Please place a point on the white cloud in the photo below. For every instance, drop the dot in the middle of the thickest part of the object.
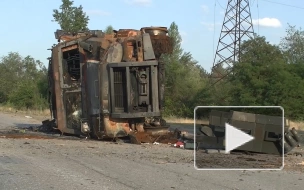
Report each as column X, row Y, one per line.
column 267, row 22
column 205, row 9
column 139, row 2
column 184, row 36
column 210, row 26
column 97, row 13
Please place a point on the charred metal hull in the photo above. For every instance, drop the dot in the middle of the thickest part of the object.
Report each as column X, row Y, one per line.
column 108, row 85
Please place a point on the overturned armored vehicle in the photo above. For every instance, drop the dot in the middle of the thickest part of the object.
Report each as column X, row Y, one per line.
column 108, row 85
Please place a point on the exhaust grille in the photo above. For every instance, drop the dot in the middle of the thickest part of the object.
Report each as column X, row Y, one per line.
column 120, row 97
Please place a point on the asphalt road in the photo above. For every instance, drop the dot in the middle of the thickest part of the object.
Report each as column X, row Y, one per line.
column 88, row 164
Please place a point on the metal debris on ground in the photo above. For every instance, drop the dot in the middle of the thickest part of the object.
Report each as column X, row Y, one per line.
column 149, row 137
column 179, row 144
column 47, row 126
column 31, row 132
column 212, row 151
column 302, row 163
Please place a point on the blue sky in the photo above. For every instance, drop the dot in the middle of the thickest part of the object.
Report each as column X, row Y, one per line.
column 27, row 27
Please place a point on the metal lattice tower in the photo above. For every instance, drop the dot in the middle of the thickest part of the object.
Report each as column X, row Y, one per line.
column 237, row 26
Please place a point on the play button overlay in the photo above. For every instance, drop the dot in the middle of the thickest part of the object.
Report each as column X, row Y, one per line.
column 235, row 138
column 238, row 138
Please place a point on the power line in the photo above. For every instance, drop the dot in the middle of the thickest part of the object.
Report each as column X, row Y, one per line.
column 284, row 4
column 220, row 5
column 214, row 25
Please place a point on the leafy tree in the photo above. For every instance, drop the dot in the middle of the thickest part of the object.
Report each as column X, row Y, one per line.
column 23, row 81
column 293, row 45
column 11, row 69
column 263, row 78
column 24, row 95
column 251, row 76
column 176, row 40
column 183, row 77
column 109, row 29
column 71, row 18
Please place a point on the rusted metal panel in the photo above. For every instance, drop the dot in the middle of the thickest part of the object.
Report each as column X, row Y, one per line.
column 115, row 127
column 154, row 86
column 218, row 118
column 127, row 33
column 104, row 43
column 69, row 48
column 161, row 85
column 139, row 48
column 104, row 89
column 148, row 48
column 242, row 116
column 92, row 86
column 109, row 36
column 124, row 108
column 133, row 64
column 60, row 120
column 72, row 104
column 129, row 47
column 115, row 53
column 161, row 44
column 155, row 30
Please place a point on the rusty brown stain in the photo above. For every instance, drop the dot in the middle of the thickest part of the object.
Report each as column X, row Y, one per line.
column 122, row 33
column 132, row 33
column 129, row 45
column 140, row 53
column 23, row 136
column 109, row 36
column 148, row 137
column 59, row 103
column 68, row 48
column 155, row 30
column 105, row 43
column 161, row 44
column 129, row 50
column 140, row 127
column 115, row 126
column 259, row 132
column 56, row 75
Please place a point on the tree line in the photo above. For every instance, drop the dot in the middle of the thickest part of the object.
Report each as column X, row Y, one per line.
column 267, row 75
column 23, row 82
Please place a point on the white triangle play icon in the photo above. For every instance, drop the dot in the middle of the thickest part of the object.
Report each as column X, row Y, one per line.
column 235, row 138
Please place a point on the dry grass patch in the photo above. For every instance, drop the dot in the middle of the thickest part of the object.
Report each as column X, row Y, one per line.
column 173, row 119
column 298, row 125
column 29, row 112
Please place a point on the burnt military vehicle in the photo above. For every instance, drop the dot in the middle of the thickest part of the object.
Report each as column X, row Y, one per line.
column 108, row 85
